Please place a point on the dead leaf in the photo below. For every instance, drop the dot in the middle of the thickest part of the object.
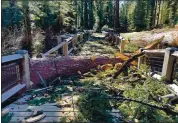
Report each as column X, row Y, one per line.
column 107, row 67
column 93, row 58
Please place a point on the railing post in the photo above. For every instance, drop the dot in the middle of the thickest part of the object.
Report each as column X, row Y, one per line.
column 78, row 38
column 168, row 64
column 65, row 49
column 117, row 40
column 140, row 59
column 59, row 39
column 26, row 70
column 81, row 37
column 122, row 44
column 74, row 40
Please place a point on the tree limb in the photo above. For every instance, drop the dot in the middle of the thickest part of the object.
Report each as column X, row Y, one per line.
column 163, row 108
column 126, row 63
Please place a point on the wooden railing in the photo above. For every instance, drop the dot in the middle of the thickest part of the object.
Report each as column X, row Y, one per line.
column 117, row 40
column 121, row 42
column 64, row 41
column 15, row 73
column 161, row 61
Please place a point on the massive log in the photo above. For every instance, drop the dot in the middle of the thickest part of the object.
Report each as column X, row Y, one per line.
column 65, row 66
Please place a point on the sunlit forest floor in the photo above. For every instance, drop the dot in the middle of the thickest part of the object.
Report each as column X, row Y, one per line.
column 97, row 48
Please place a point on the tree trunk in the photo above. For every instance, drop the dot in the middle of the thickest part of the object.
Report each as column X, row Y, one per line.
column 152, row 13
column 161, row 18
column 76, row 16
column 81, row 17
column 116, row 19
column 91, row 15
column 85, row 15
column 174, row 10
column 154, row 20
column 27, row 24
column 12, row 3
column 158, row 14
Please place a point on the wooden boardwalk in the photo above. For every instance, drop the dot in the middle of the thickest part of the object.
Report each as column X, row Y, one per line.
column 20, row 110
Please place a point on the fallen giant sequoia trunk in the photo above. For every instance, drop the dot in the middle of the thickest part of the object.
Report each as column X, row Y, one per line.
column 65, row 66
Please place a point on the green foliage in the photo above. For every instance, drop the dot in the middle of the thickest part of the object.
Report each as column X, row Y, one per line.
column 140, row 15
column 131, row 47
column 45, row 16
column 38, row 43
column 7, row 118
column 148, row 92
column 94, row 107
column 11, row 16
column 37, row 102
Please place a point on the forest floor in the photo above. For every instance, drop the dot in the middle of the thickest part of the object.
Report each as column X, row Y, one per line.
column 97, row 48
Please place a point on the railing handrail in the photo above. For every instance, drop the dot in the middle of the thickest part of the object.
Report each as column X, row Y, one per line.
column 54, row 48
column 169, row 54
column 161, row 51
column 11, row 58
column 66, row 41
column 175, row 54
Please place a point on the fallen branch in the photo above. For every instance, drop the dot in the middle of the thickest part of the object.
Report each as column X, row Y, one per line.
column 163, row 108
column 126, row 63
column 42, row 80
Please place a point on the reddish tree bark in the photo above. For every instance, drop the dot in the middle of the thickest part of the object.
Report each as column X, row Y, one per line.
column 116, row 17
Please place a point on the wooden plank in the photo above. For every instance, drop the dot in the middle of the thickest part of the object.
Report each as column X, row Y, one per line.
column 59, row 39
column 168, row 64
column 54, row 48
column 68, row 39
column 26, row 75
column 122, row 45
column 140, row 60
column 23, row 99
column 44, row 120
column 70, row 51
column 6, row 95
column 11, row 58
column 65, row 49
column 175, row 54
column 161, row 51
column 24, row 108
column 48, row 114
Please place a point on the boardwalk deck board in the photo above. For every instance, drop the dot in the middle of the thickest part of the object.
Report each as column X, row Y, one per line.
column 52, row 112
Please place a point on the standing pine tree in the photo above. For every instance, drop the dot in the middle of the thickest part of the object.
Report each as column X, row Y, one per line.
column 152, row 12
column 86, row 14
column 81, row 16
column 116, row 16
column 91, row 16
column 174, row 12
column 27, row 25
column 140, row 15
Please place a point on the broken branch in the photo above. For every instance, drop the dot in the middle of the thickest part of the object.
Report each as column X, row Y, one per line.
column 163, row 108
column 126, row 63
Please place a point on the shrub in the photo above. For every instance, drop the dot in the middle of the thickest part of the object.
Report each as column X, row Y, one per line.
column 94, row 107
